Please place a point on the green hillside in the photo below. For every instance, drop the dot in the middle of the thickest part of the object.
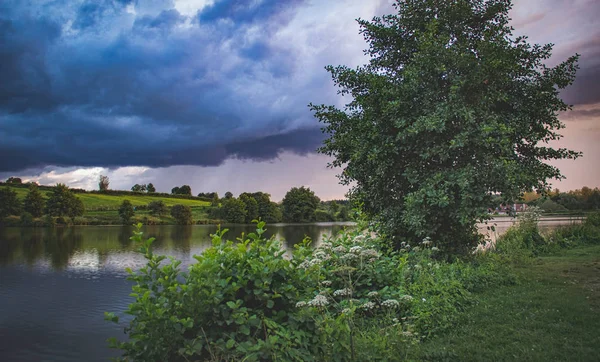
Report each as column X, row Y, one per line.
column 100, row 201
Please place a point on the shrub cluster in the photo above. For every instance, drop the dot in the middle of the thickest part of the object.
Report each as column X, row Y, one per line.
column 349, row 298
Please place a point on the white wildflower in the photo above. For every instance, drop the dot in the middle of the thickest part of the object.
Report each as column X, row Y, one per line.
column 416, row 248
column 435, row 248
column 426, row 241
column 372, row 294
column 342, row 292
column 325, row 245
column 340, row 249
column 390, row 303
column 346, row 311
column 424, row 299
column 356, row 249
column 349, row 257
column 326, row 283
column 320, row 254
column 368, row 306
column 318, row 301
column 367, row 253
column 300, row 304
column 406, row 298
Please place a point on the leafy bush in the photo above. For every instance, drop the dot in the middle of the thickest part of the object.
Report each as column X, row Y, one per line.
column 157, row 208
column 126, row 211
column 182, row 214
column 234, row 303
column 350, row 298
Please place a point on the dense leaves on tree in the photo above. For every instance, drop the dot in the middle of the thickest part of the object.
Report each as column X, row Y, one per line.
column 62, row 202
column 182, row 214
column 157, row 208
column 233, row 211
column 9, row 203
column 251, row 207
column 138, row 188
column 34, row 201
column 208, row 195
column 183, row 190
column 228, row 195
column 103, row 183
column 299, row 205
column 126, row 211
column 14, row 180
column 450, row 109
column 150, row 188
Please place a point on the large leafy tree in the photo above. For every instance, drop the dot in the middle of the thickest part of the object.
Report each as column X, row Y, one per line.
column 450, row 110
column 63, row 202
column 9, row 203
column 182, row 214
column 233, row 211
column 299, row 205
column 34, row 201
column 251, row 207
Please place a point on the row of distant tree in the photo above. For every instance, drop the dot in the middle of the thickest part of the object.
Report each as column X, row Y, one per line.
column 584, row 199
column 61, row 202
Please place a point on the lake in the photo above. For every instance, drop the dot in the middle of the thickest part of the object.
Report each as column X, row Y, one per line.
column 56, row 284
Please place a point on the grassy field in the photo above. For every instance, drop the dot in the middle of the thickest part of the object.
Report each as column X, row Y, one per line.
column 96, row 201
column 552, row 314
column 103, row 209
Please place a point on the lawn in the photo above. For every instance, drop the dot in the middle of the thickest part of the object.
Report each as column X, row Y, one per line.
column 552, row 314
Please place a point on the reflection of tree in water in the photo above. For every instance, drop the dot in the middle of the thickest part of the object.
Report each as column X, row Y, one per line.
column 32, row 244
column 10, row 244
column 181, row 235
column 61, row 244
column 125, row 233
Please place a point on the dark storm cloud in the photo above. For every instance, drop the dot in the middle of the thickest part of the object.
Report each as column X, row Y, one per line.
column 117, row 83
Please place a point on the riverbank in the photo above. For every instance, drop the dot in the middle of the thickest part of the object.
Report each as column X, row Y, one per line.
column 551, row 314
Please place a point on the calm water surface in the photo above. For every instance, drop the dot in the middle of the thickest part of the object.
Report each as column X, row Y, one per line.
column 56, row 284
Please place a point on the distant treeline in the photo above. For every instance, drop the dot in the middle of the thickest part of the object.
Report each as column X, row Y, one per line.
column 584, row 199
column 300, row 205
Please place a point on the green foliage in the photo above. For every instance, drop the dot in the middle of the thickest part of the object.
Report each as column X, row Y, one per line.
column 183, row 190
column 233, row 211
column 27, row 219
column 228, row 195
column 551, row 206
column 62, row 202
column 14, row 180
column 299, row 205
column 34, row 201
column 350, row 298
column 103, row 183
column 126, row 211
column 150, row 188
column 251, row 207
column 182, row 214
column 323, row 216
column 138, row 188
column 157, row 208
column 233, row 304
column 450, row 109
column 9, row 203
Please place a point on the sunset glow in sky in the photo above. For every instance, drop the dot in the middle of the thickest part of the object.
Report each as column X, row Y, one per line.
column 214, row 93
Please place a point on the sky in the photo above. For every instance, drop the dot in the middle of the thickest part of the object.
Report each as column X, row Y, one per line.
column 214, row 93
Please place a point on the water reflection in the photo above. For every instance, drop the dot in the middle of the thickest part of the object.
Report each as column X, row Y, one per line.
column 111, row 247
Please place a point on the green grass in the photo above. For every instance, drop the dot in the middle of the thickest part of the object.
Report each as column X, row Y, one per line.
column 96, row 201
column 552, row 314
column 103, row 209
